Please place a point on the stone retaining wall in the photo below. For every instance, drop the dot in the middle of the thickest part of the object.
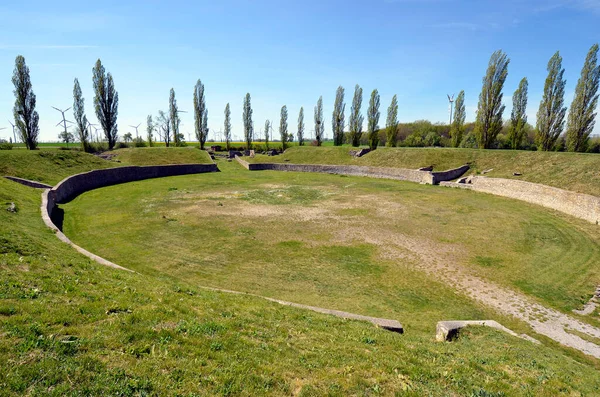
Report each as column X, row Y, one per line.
column 74, row 185
column 583, row 206
column 402, row 174
column 27, row 182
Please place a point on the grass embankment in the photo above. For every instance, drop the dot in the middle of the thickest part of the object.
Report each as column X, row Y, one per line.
column 159, row 156
column 51, row 166
column 579, row 172
column 70, row 326
column 48, row 166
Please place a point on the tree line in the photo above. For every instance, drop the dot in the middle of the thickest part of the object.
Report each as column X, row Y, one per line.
column 488, row 131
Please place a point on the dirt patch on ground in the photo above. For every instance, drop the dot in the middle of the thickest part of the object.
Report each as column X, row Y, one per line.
column 441, row 261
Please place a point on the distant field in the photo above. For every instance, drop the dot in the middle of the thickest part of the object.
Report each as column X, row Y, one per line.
column 578, row 172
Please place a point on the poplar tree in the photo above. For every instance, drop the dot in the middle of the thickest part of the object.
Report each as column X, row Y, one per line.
column 551, row 114
column 356, row 118
column 150, row 130
column 200, row 113
column 373, row 119
column 247, row 118
column 283, row 126
column 488, row 123
column 458, row 124
column 319, row 126
column 26, row 117
column 79, row 115
column 301, row 127
column 106, row 103
column 337, row 119
column 267, row 129
column 518, row 116
column 391, row 124
column 582, row 113
column 174, row 117
column 227, row 127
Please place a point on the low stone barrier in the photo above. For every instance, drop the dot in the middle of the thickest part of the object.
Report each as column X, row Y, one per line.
column 579, row 205
column 402, row 174
column 27, row 182
column 448, row 330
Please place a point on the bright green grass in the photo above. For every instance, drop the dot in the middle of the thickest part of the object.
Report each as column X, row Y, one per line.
column 72, row 327
column 48, row 166
column 579, row 172
column 193, row 228
column 158, row 156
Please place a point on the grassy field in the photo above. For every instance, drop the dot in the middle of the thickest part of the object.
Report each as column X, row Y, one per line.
column 72, row 327
column 579, row 172
column 158, row 155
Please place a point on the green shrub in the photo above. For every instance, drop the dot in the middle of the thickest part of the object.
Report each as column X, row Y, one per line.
column 5, row 145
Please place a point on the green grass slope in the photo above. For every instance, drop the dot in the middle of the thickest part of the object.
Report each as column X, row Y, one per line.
column 71, row 327
column 48, row 166
column 579, row 172
column 161, row 155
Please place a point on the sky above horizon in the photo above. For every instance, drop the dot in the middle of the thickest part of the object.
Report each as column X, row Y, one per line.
column 286, row 53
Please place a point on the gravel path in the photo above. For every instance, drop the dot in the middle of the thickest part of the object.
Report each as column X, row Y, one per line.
column 439, row 262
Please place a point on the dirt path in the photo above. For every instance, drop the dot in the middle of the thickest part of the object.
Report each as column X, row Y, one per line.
column 438, row 261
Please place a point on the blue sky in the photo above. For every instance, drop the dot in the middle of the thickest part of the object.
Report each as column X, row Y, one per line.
column 286, row 52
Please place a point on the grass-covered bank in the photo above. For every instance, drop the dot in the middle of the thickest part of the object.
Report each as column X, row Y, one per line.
column 51, row 166
column 160, row 156
column 48, row 166
column 578, row 172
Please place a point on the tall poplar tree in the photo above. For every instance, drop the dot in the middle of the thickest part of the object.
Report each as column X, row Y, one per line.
column 458, row 124
column 373, row 115
column 26, row 117
column 488, row 123
column 174, row 117
column 337, row 118
column 81, row 122
column 247, row 118
column 518, row 116
column 150, row 130
column 106, row 103
column 356, row 117
column 319, row 125
column 283, row 126
column 582, row 114
column 267, row 129
column 227, row 127
column 391, row 124
column 551, row 114
column 301, row 127
column 200, row 112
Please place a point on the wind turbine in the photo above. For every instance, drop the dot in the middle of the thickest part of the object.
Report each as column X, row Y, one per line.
column 13, row 128
column 451, row 100
column 64, row 121
column 136, row 129
column 3, row 128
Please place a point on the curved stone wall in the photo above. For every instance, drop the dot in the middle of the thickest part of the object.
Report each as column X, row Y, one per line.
column 74, row 185
column 402, row 174
column 583, row 206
